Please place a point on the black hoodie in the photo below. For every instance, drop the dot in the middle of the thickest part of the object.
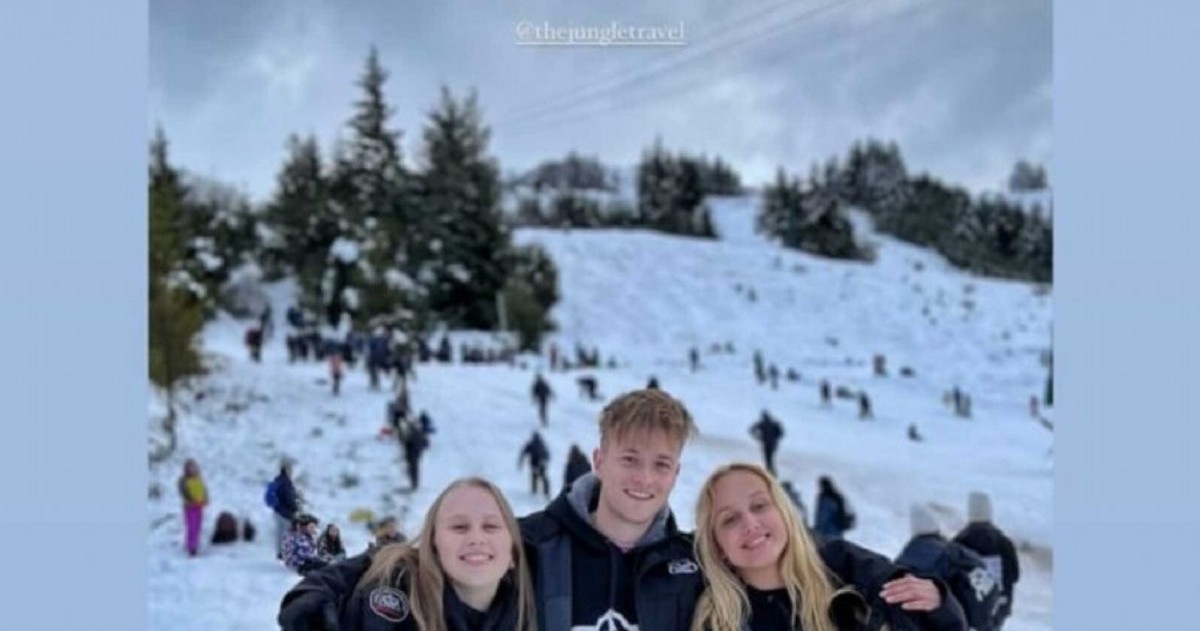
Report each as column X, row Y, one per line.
column 584, row 581
column 998, row 551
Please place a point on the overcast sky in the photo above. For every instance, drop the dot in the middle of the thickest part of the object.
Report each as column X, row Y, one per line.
column 964, row 86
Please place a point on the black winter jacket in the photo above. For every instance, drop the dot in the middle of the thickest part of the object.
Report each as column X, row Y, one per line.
column 963, row 570
column 582, row 579
column 382, row 608
column 537, row 453
column 768, row 431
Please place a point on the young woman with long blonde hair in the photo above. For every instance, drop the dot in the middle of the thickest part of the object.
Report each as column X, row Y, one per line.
column 465, row 571
column 765, row 573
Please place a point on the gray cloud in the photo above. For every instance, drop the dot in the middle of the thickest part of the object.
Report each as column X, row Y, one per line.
column 964, row 88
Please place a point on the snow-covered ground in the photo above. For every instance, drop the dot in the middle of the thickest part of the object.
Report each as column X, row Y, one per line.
column 645, row 299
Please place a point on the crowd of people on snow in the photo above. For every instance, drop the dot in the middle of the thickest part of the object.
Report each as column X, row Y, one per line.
column 385, row 351
column 606, row 550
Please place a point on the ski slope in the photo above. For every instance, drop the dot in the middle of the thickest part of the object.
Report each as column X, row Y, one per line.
column 645, row 299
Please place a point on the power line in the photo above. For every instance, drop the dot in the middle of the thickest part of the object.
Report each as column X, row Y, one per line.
column 743, row 31
column 622, row 74
column 573, row 111
column 585, row 110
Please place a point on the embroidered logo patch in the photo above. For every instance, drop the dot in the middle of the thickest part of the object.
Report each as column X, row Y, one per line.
column 683, row 566
column 389, row 603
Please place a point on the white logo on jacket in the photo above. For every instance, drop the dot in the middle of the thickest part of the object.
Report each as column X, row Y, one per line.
column 982, row 582
column 612, row 620
column 683, row 566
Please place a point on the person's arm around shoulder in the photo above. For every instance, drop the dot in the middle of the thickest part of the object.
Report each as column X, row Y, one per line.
column 316, row 598
column 853, row 564
column 917, row 596
column 927, row 600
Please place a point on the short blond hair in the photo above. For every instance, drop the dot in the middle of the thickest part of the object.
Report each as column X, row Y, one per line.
column 646, row 411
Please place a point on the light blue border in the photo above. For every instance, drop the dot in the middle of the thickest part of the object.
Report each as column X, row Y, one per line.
column 1127, row 306
column 73, row 288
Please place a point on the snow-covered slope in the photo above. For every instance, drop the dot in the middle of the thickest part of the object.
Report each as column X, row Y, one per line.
column 645, row 299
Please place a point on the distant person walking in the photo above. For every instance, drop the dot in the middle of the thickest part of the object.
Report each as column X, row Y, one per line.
column 538, row 454
column 542, row 394
column 336, row 369
column 768, row 431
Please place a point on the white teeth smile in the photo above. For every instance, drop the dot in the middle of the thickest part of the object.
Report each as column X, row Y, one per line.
column 639, row 496
column 756, row 542
column 476, row 558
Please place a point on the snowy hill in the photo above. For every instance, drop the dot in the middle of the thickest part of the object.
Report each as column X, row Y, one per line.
column 645, row 299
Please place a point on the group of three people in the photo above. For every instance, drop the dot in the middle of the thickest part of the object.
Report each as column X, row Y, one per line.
column 606, row 554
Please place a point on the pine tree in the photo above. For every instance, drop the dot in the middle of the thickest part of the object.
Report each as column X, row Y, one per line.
column 875, row 177
column 196, row 265
column 328, row 290
column 689, row 193
column 927, row 216
column 229, row 238
column 460, row 193
column 823, row 227
column 1035, row 248
column 528, row 295
column 721, row 179
column 966, row 243
column 571, row 209
column 301, row 217
column 833, row 179
column 176, row 313
column 656, row 188
column 808, row 216
column 854, row 175
column 780, row 214
column 371, row 264
column 1007, row 225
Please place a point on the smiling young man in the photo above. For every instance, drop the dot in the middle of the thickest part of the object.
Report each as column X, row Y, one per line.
column 606, row 552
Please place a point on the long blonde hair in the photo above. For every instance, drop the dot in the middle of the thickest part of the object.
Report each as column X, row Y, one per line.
column 724, row 606
column 416, row 563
